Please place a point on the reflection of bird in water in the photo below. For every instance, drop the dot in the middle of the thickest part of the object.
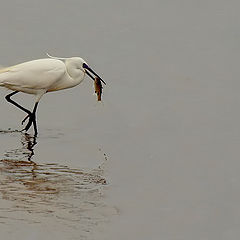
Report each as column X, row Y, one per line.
column 26, row 151
column 30, row 142
column 36, row 192
column 49, row 178
column 16, row 159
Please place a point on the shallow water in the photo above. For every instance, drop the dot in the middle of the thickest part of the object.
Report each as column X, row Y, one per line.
column 40, row 197
column 159, row 157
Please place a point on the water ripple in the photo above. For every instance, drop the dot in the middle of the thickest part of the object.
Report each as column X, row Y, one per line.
column 35, row 193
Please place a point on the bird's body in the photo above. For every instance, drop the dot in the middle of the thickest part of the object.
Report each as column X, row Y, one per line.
column 40, row 76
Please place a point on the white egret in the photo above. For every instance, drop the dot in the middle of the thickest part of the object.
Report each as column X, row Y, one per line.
column 40, row 76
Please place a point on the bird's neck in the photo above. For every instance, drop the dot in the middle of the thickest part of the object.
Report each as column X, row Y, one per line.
column 76, row 75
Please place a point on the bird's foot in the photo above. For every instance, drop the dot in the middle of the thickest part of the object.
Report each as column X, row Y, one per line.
column 23, row 121
column 32, row 120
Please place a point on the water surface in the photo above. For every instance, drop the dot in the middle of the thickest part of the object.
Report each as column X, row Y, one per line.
column 168, row 123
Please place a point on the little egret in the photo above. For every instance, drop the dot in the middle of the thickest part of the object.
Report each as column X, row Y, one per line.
column 40, row 76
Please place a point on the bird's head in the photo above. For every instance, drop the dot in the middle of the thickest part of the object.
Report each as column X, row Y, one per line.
column 76, row 64
column 88, row 71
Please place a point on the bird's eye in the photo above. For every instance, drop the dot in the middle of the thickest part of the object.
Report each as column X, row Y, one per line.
column 85, row 65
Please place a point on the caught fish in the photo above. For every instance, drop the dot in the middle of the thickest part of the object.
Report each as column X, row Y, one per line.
column 98, row 88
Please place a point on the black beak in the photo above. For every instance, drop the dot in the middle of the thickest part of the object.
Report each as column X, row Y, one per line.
column 88, row 69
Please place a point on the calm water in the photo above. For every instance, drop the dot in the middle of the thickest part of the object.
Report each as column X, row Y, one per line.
column 159, row 157
column 49, row 199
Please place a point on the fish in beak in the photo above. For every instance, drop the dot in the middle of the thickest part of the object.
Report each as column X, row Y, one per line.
column 88, row 70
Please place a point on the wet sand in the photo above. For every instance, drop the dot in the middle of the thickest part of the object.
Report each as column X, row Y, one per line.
column 158, row 158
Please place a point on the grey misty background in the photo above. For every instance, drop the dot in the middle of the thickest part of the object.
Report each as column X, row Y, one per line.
column 170, row 118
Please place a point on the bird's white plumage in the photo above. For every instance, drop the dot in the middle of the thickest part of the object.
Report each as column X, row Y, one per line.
column 43, row 75
column 33, row 75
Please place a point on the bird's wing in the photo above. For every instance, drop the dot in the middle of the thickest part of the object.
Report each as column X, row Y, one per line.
column 36, row 74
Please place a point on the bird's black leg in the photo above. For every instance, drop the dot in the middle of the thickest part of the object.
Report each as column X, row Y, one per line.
column 23, row 121
column 31, row 115
column 8, row 98
column 32, row 120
